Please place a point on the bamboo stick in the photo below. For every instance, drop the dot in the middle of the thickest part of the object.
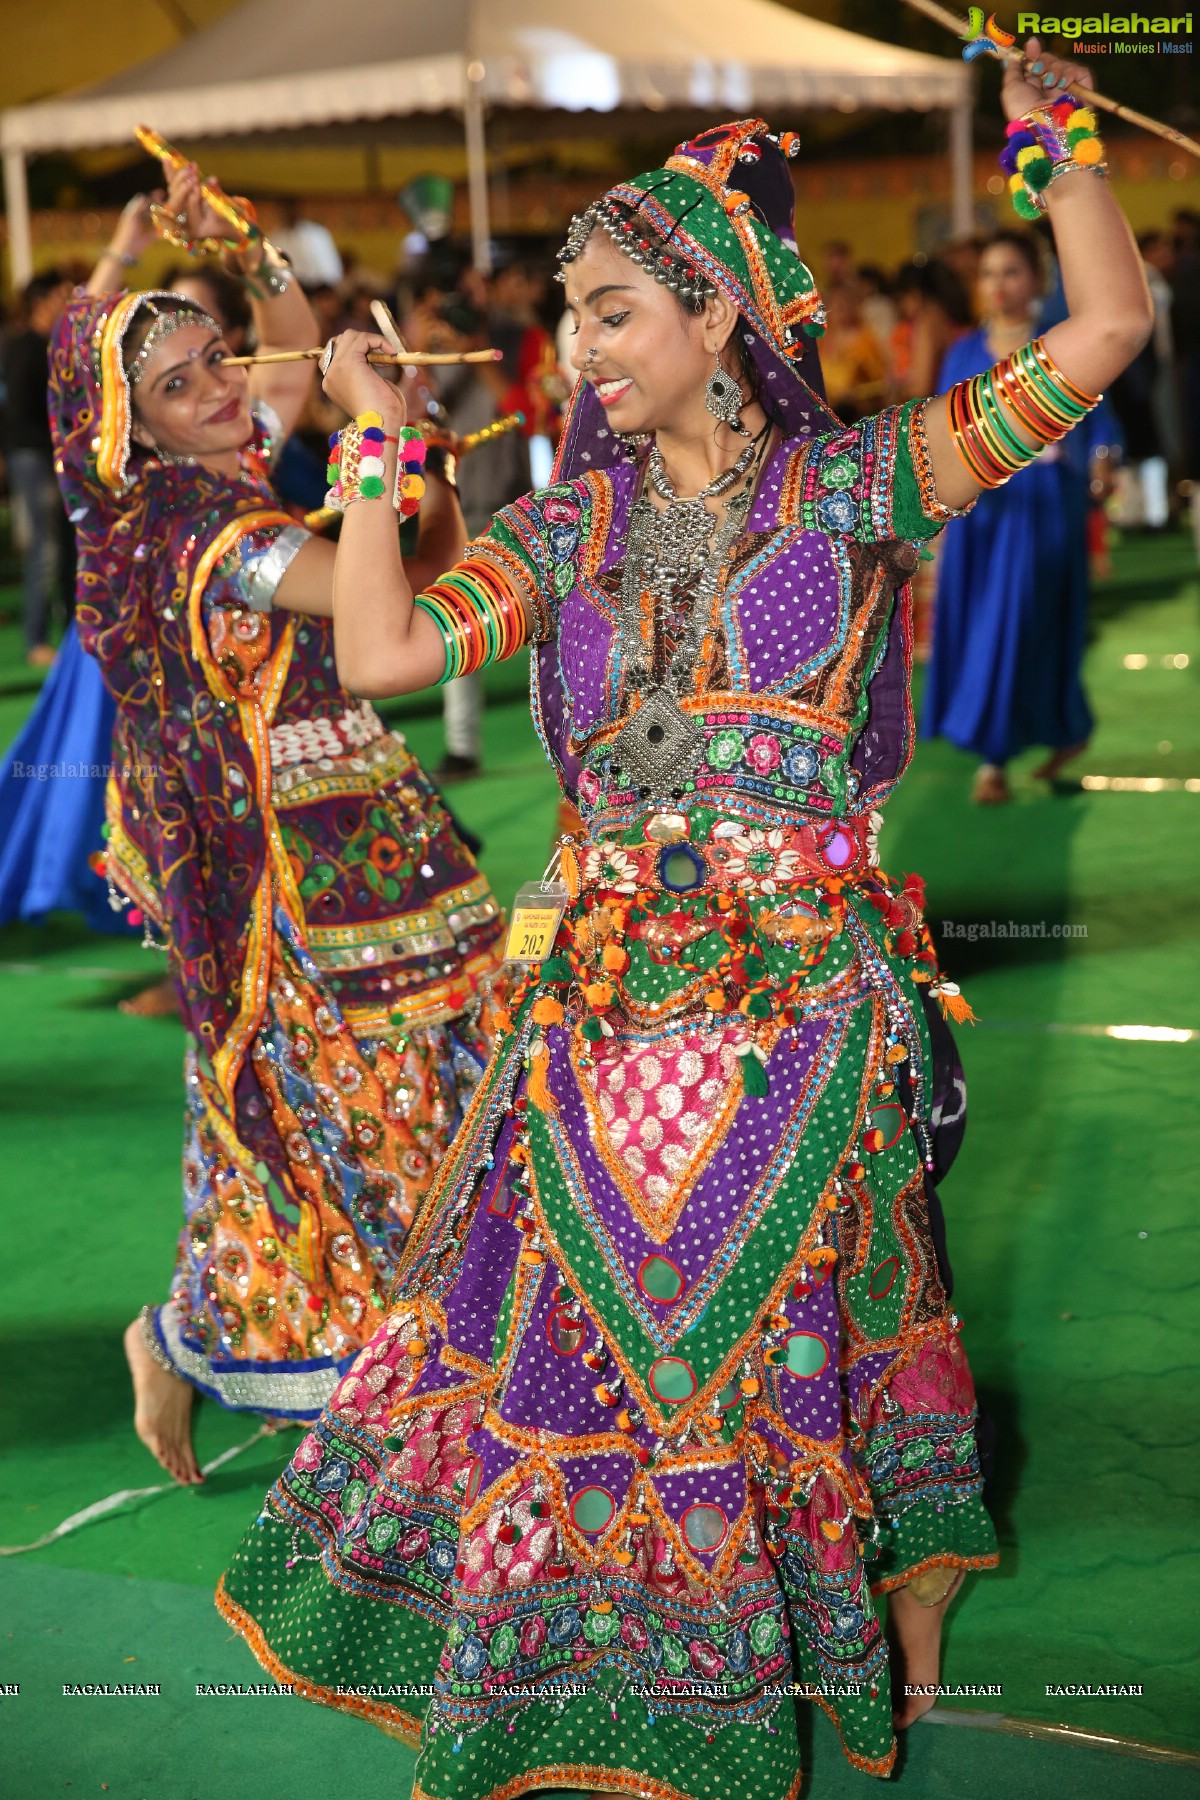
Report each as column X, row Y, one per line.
column 1086, row 96
column 419, row 359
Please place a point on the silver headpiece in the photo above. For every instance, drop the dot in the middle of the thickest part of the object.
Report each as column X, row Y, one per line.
column 165, row 322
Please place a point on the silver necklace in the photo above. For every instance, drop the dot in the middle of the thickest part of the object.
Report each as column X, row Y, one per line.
column 668, row 553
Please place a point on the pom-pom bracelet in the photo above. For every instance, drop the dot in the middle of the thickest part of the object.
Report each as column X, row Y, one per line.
column 356, row 469
column 1048, row 142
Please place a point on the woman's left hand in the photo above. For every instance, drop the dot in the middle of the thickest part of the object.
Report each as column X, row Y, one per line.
column 1038, row 81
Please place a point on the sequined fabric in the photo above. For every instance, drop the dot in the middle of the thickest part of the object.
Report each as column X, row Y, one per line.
column 669, row 1381
column 334, row 948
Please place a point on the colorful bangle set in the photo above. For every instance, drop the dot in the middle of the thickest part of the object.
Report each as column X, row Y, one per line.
column 356, row 469
column 1026, row 389
column 1048, row 142
column 479, row 616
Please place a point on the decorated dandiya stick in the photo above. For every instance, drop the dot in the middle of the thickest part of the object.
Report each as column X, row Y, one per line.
column 1086, row 96
column 475, row 440
column 157, row 146
column 422, row 359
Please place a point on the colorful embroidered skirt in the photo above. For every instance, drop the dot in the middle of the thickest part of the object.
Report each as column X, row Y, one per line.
column 668, row 1383
column 295, row 1216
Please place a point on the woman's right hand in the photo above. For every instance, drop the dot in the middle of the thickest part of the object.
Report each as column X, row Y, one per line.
column 354, row 384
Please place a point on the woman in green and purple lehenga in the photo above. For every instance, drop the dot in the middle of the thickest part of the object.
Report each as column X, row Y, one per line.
column 670, row 1386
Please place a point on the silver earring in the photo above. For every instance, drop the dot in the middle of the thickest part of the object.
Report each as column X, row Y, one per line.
column 723, row 398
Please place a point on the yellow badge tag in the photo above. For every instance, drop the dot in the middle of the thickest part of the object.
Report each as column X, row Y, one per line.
column 536, row 915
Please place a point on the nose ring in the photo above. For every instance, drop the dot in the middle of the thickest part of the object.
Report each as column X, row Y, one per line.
column 591, row 355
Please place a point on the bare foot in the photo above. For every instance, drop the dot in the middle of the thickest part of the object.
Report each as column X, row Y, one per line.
column 162, row 1410
column 159, row 1001
column 915, row 1632
column 1057, row 761
column 990, row 787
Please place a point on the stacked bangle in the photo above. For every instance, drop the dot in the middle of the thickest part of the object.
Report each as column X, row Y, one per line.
column 1027, row 389
column 479, row 616
column 1048, row 142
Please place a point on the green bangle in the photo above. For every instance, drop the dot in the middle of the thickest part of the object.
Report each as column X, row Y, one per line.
column 448, row 639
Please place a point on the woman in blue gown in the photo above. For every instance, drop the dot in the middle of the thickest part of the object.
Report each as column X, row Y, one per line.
column 1010, row 625
column 52, row 798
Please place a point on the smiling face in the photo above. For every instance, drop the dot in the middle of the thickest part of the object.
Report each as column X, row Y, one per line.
column 187, row 402
column 651, row 358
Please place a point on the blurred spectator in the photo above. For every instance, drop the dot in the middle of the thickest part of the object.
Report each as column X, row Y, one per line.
column 1142, row 499
column 838, row 259
column 530, row 356
column 42, row 529
column 961, row 256
column 852, row 357
column 218, row 293
column 309, row 247
column 878, row 307
column 471, row 397
column 1185, row 322
column 1159, row 256
column 326, row 302
column 935, row 312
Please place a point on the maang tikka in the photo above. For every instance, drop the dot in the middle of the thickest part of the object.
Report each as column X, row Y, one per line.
column 723, row 398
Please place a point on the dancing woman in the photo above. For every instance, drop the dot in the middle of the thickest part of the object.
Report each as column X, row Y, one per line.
column 332, row 943
column 669, row 1386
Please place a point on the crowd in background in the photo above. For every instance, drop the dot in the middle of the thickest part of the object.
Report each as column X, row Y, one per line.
column 888, row 336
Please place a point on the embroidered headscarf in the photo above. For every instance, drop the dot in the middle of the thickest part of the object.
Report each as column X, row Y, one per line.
column 186, row 786
column 718, row 216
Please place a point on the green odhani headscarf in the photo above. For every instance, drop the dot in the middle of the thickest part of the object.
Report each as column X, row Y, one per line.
column 717, row 217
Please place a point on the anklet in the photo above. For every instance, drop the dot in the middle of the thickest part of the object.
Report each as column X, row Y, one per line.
column 150, row 1338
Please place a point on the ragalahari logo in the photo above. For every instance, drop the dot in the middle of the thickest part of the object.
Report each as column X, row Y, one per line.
column 984, row 37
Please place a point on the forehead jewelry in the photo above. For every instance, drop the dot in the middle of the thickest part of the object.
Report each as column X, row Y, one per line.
column 164, row 324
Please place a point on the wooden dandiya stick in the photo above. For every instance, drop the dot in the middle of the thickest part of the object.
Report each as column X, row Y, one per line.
column 420, row 359
column 1086, row 96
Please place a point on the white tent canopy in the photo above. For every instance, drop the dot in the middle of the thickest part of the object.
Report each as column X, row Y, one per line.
column 275, row 65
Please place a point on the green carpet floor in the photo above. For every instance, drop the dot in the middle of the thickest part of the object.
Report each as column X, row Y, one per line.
column 1072, row 1231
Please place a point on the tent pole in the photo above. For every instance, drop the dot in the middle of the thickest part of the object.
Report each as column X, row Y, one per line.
column 20, row 236
column 477, row 180
column 962, row 212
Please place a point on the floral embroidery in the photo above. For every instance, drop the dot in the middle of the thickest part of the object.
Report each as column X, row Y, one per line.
column 837, row 512
column 801, row 764
column 590, row 787
column 724, row 749
column 762, row 753
column 839, row 472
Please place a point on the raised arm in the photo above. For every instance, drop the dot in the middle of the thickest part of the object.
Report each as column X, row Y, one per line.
column 283, row 319
column 385, row 643
column 1111, row 314
column 133, row 235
